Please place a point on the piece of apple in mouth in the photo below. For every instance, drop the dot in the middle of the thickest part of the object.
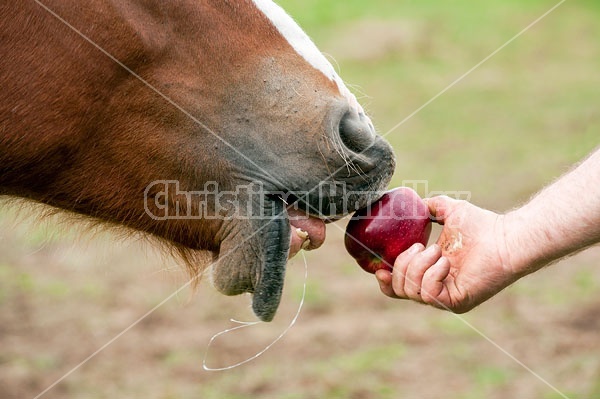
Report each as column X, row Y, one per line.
column 308, row 232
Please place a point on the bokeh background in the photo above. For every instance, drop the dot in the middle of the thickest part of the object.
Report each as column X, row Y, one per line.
column 513, row 125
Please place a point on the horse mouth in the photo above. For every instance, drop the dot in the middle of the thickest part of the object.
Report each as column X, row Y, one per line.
column 257, row 265
column 253, row 257
column 308, row 232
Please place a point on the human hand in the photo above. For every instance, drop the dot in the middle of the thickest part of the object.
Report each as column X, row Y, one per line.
column 469, row 263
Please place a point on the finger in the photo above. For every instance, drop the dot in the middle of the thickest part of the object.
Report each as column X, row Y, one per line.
column 401, row 266
column 438, row 207
column 417, row 268
column 384, row 277
column 434, row 289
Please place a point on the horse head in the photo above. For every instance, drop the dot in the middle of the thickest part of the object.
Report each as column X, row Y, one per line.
column 205, row 123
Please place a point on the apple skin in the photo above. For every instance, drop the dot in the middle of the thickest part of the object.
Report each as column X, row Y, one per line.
column 377, row 234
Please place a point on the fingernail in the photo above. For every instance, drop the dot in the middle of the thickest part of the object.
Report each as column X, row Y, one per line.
column 431, row 250
column 440, row 261
column 414, row 249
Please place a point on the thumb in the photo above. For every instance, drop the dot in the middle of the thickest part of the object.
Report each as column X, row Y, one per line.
column 440, row 207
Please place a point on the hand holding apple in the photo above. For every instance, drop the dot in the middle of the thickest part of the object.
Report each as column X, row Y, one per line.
column 469, row 264
column 377, row 234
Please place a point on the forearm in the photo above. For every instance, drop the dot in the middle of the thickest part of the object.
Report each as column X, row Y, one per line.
column 560, row 220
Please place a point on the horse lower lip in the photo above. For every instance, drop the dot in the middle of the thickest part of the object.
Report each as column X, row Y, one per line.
column 314, row 227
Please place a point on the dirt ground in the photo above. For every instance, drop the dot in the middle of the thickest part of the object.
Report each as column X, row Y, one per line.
column 63, row 298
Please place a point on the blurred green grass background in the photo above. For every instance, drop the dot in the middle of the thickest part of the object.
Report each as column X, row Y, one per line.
column 513, row 125
column 519, row 120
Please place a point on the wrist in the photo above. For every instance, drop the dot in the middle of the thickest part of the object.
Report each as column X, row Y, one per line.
column 524, row 248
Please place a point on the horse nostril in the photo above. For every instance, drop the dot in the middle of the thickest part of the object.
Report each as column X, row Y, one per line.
column 356, row 131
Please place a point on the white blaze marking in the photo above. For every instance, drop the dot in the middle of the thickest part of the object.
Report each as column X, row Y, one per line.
column 304, row 46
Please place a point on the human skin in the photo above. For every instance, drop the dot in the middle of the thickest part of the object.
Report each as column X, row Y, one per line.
column 479, row 252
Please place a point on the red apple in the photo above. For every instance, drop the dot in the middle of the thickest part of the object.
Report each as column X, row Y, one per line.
column 377, row 234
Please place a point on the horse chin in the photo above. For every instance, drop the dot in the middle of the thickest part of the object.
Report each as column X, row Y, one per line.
column 254, row 254
column 253, row 259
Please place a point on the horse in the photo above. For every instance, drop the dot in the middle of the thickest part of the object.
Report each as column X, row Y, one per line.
column 212, row 126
